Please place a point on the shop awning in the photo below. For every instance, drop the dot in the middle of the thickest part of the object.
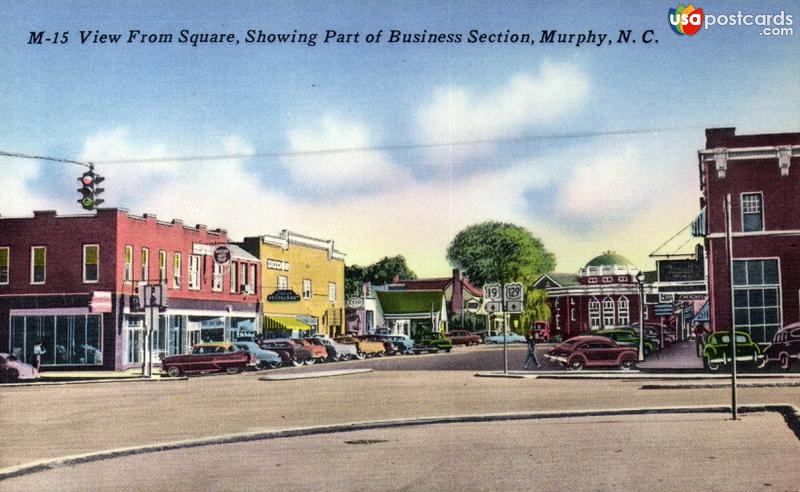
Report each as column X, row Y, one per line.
column 704, row 315
column 284, row 323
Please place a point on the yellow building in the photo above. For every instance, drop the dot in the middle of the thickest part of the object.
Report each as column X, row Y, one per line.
column 302, row 283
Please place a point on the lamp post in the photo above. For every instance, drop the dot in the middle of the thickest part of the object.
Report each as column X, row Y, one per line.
column 640, row 281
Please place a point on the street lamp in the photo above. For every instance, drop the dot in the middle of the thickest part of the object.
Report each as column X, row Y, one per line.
column 640, row 281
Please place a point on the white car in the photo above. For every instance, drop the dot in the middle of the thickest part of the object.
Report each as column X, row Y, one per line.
column 510, row 338
column 338, row 351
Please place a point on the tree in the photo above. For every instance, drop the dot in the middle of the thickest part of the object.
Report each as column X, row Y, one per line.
column 499, row 252
column 378, row 273
column 536, row 307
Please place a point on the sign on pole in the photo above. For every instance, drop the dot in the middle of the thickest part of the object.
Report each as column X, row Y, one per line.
column 222, row 255
column 513, row 298
column 472, row 306
column 355, row 302
column 493, row 307
column 663, row 309
column 493, row 292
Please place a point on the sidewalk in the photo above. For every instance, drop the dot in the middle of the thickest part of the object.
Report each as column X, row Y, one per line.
column 681, row 355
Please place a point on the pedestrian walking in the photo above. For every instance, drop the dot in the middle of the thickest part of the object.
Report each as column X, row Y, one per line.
column 700, row 332
column 531, row 351
column 38, row 351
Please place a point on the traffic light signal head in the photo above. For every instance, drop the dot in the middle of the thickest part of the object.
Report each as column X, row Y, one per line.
column 89, row 190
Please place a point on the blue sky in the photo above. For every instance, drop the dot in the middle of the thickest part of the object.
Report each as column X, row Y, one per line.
column 627, row 192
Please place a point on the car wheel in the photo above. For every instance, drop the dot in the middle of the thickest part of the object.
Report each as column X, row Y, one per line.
column 381, row 354
column 310, row 361
column 262, row 365
column 713, row 366
column 576, row 364
column 784, row 361
column 275, row 364
column 361, row 355
column 173, row 371
column 233, row 369
column 628, row 364
column 297, row 363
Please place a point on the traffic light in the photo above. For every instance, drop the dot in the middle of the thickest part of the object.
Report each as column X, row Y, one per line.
column 89, row 190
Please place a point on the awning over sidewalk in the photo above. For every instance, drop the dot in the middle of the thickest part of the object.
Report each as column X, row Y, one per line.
column 704, row 315
column 284, row 323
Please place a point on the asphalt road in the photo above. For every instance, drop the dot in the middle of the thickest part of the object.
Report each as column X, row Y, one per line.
column 647, row 452
column 46, row 422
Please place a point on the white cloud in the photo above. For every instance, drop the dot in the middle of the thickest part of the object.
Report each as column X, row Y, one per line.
column 21, row 195
column 330, row 170
column 458, row 114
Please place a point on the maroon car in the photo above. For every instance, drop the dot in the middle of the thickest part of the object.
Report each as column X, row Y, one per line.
column 291, row 353
column 13, row 369
column 463, row 337
column 315, row 346
column 593, row 351
column 208, row 357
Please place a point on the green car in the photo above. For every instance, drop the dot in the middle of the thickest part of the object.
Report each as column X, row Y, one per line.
column 625, row 336
column 717, row 352
column 432, row 341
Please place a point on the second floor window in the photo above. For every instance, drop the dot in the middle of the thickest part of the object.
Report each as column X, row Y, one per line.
column 752, row 212
column 176, row 270
column 331, row 292
column 145, row 264
column 234, row 277
column 38, row 264
column 91, row 262
column 4, row 261
column 162, row 266
column 194, row 272
column 283, row 282
column 306, row 288
column 128, row 274
column 216, row 284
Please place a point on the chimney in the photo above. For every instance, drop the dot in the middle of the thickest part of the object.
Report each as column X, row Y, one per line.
column 366, row 288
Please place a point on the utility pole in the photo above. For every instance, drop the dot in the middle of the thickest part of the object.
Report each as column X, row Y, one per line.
column 729, row 245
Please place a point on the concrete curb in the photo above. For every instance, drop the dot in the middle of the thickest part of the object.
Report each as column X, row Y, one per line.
column 719, row 385
column 92, row 381
column 310, row 375
column 634, row 375
column 790, row 413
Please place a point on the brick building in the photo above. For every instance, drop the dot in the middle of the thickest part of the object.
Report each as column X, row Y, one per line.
column 70, row 282
column 761, row 175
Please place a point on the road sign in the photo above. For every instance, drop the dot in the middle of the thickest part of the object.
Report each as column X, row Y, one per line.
column 513, row 307
column 222, row 255
column 152, row 296
column 663, row 309
column 493, row 292
column 493, row 307
column 513, row 292
column 472, row 306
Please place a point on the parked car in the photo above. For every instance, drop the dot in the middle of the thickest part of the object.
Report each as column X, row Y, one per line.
column 388, row 347
column 509, row 336
column 208, row 357
column 625, row 336
column 785, row 346
column 264, row 359
column 592, row 351
column 432, row 341
column 290, row 352
column 540, row 331
column 717, row 352
column 319, row 350
column 403, row 343
column 337, row 351
column 484, row 334
column 463, row 337
column 365, row 348
column 12, row 369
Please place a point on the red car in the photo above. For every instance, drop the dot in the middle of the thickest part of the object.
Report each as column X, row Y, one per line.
column 13, row 369
column 315, row 346
column 291, row 353
column 463, row 337
column 540, row 331
column 208, row 357
column 592, row 351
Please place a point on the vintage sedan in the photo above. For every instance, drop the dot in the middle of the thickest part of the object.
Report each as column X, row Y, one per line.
column 717, row 351
column 625, row 336
column 208, row 357
column 264, row 359
column 12, row 369
column 785, row 347
column 290, row 352
column 405, row 345
column 319, row 350
column 591, row 351
column 365, row 348
column 432, row 341
column 337, row 351
column 510, row 337
column 463, row 337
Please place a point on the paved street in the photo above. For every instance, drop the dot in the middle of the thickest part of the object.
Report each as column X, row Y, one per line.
column 648, row 452
column 94, row 417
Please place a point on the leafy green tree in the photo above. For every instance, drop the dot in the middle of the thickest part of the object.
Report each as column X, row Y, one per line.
column 499, row 252
column 536, row 307
column 378, row 273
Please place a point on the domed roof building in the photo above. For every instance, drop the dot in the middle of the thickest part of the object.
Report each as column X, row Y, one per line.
column 603, row 294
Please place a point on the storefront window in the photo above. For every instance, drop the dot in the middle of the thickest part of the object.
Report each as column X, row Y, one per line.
column 756, row 298
column 67, row 340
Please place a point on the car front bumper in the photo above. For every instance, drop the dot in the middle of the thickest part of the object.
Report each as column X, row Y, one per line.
column 556, row 358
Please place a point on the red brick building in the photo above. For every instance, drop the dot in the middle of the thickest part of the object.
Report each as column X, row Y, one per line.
column 71, row 283
column 603, row 294
column 761, row 173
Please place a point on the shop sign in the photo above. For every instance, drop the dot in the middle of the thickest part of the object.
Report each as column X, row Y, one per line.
column 472, row 306
column 663, row 310
column 100, row 302
column 355, row 302
column 283, row 295
column 691, row 297
column 680, row 270
column 278, row 265
column 222, row 255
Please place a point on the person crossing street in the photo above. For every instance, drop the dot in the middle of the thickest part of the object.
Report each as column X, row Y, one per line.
column 531, row 351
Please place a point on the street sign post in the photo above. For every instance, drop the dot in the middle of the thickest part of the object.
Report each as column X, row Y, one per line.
column 493, row 292
column 472, row 306
column 513, row 298
column 663, row 309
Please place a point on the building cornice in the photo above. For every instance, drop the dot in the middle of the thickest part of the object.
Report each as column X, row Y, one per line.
column 721, row 155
